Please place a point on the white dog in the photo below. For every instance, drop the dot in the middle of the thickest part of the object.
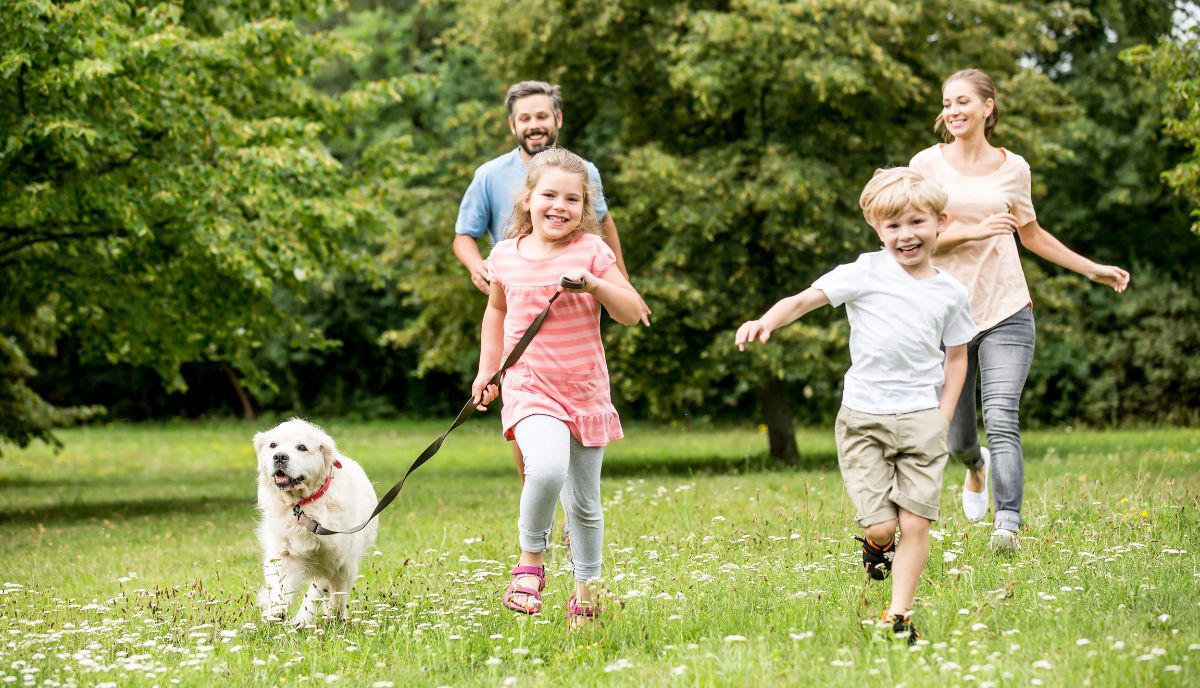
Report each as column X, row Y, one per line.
column 298, row 464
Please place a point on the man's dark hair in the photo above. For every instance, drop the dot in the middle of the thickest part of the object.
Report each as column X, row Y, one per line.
column 533, row 88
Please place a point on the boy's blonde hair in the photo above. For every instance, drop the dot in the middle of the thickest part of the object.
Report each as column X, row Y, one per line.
column 565, row 160
column 891, row 191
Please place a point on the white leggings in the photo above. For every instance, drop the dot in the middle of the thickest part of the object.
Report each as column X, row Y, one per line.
column 556, row 465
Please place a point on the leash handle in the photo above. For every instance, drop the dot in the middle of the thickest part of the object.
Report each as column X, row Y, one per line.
column 464, row 414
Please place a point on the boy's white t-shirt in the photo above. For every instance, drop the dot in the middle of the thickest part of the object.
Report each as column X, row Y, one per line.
column 897, row 323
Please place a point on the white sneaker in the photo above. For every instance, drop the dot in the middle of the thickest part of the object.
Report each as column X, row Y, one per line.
column 975, row 504
column 1003, row 540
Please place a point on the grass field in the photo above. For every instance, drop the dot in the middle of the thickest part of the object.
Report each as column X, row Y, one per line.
column 129, row 559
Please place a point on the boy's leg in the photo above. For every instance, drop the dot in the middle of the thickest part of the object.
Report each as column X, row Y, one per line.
column 868, row 475
column 1004, row 359
column 911, row 555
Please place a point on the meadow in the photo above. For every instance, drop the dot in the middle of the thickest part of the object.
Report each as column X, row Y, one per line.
column 129, row 559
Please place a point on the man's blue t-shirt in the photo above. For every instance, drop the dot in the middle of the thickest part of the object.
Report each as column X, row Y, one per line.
column 488, row 203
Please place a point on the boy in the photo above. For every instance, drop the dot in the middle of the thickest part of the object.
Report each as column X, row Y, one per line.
column 891, row 430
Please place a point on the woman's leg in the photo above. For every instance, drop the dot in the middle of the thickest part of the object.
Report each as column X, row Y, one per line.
column 963, row 437
column 581, row 501
column 1005, row 354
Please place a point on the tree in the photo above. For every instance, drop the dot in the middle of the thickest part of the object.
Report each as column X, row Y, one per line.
column 1173, row 65
column 745, row 133
column 163, row 177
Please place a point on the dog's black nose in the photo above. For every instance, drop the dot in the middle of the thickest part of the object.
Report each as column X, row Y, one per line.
column 280, row 459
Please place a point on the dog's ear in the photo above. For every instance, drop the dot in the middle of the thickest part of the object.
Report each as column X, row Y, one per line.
column 260, row 439
column 328, row 449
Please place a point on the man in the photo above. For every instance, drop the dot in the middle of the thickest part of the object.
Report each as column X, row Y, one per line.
column 534, row 118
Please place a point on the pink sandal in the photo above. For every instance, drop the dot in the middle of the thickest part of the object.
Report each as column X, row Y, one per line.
column 578, row 611
column 514, row 589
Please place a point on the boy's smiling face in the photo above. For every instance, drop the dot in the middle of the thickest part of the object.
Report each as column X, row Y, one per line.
column 911, row 237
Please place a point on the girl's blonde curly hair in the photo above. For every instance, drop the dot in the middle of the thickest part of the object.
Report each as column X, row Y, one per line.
column 565, row 160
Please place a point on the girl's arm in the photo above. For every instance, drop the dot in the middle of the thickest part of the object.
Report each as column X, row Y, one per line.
column 956, row 375
column 613, row 291
column 782, row 313
column 1046, row 245
column 491, row 346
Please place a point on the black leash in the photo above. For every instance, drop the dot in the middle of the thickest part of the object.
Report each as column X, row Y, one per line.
column 464, row 415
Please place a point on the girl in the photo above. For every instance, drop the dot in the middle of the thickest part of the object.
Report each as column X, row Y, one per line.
column 556, row 398
column 989, row 190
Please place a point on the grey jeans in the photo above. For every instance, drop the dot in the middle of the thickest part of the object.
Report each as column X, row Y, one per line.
column 999, row 358
column 559, row 467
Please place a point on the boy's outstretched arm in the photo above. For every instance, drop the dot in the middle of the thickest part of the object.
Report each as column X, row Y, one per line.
column 782, row 313
column 956, row 375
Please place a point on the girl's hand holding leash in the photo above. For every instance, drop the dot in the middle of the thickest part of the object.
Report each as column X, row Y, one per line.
column 576, row 281
column 482, row 392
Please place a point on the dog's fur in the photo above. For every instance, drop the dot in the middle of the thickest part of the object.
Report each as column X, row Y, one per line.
column 294, row 458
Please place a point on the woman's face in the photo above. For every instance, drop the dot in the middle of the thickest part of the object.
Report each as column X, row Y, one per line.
column 963, row 111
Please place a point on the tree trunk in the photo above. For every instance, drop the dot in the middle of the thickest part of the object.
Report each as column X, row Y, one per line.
column 781, row 430
column 247, row 406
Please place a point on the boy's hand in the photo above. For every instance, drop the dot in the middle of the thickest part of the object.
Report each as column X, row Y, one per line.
column 750, row 331
column 483, row 393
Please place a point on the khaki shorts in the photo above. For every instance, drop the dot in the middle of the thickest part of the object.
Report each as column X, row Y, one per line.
column 890, row 461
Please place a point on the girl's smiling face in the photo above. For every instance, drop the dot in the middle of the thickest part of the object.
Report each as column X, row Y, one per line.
column 556, row 204
column 963, row 111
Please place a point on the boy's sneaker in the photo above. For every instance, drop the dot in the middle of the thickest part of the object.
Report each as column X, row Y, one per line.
column 877, row 560
column 902, row 627
column 1003, row 541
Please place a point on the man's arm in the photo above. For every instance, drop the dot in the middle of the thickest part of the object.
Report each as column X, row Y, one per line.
column 467, row 251
column 614, row 242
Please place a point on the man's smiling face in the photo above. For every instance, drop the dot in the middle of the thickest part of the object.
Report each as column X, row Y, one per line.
column 534, row 123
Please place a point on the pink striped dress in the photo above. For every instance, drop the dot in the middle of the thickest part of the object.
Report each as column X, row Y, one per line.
column 563, row 373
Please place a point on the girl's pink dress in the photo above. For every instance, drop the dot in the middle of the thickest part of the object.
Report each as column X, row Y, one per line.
column 563, row 373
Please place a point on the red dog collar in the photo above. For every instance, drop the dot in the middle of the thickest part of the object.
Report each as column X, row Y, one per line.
column 324, row 487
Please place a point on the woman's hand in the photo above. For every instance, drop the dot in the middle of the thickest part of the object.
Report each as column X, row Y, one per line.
column 481, row 392
column 995, row 225
column 1111, row 275
column 751, row 330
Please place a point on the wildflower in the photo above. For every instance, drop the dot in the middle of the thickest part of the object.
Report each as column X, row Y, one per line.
column 1043, row 664
column 492, row 661
column 735, row 638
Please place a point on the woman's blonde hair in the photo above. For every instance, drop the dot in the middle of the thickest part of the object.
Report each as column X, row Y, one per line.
column 565, row 160
column 983, row 86
column 892, row 191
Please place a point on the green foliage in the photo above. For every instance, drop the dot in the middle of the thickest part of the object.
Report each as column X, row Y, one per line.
column 747, row 132
column 1173, row 68
column 1105, row 361
column 163, row 174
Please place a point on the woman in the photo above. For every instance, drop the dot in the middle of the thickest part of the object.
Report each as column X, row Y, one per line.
column 990, row 202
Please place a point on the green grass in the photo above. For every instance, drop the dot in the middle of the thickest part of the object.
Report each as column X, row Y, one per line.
column 130, row 558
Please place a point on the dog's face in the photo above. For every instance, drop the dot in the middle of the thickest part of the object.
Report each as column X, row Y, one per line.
column 295, row 456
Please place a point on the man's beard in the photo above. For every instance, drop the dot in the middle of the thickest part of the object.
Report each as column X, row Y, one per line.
column 551, row 139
